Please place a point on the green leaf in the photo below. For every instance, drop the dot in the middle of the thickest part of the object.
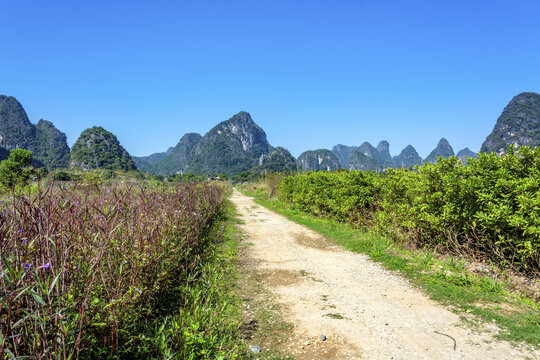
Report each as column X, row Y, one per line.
column 52, row 284
column 17, row 324
column 23, row 291
column 8, row 266
column 38, row 298
column 40, row 284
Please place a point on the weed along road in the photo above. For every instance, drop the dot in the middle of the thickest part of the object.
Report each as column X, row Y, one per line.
column 363, row 310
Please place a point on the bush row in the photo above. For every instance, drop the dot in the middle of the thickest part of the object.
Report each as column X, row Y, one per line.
column 489, row 208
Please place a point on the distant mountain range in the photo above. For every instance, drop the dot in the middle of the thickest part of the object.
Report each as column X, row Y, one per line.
column 518, row 125
column 239, row 144
column 367, row 157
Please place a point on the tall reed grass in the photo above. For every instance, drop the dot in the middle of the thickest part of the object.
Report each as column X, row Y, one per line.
column 91, row 271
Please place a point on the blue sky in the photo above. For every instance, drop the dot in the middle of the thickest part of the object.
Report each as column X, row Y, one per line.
column 311, row 73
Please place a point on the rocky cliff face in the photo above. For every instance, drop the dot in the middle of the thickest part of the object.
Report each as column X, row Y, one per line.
column 443, row 149
column 318, row 160
column 51, row 146
column 373, row 153
column 343, row 152
column 365, row 157
column 230, row 147
column 97, row 148
column 361, row 161
column 16, row 131
column 518, row 125
column 384, row 151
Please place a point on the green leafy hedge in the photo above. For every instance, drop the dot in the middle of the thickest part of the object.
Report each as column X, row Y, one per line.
column 489, row 208
column 343, row 195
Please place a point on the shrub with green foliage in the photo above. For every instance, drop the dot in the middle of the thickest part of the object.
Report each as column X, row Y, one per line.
column 348, row 196
column 245, row 176
column 16, row 170
column 61, row 175
column 489, row 208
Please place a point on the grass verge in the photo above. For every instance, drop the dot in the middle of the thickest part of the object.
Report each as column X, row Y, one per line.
column 261, row 320
column 477, row 298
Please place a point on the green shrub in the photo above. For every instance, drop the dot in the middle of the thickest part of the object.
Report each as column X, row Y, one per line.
column 15, row 171
column 348, row 196
column 489, row 208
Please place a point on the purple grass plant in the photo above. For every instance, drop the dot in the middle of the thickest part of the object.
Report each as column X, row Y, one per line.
column 98, row 271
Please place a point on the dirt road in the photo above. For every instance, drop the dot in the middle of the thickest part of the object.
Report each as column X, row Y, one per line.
column 365, row 311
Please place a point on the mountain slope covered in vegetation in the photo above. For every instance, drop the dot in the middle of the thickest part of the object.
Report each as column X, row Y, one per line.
column 231, row 147
column 98, row 148
column 176, row 160
column 443, row 149
column 318, row 160
column 51, row 145
column 16, row 131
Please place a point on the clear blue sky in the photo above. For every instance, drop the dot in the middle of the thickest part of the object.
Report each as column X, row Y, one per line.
column 311, row 73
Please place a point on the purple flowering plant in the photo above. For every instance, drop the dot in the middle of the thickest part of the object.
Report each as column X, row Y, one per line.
column 121, row 267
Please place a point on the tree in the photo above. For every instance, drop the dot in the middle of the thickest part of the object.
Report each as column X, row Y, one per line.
column 15, row 171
